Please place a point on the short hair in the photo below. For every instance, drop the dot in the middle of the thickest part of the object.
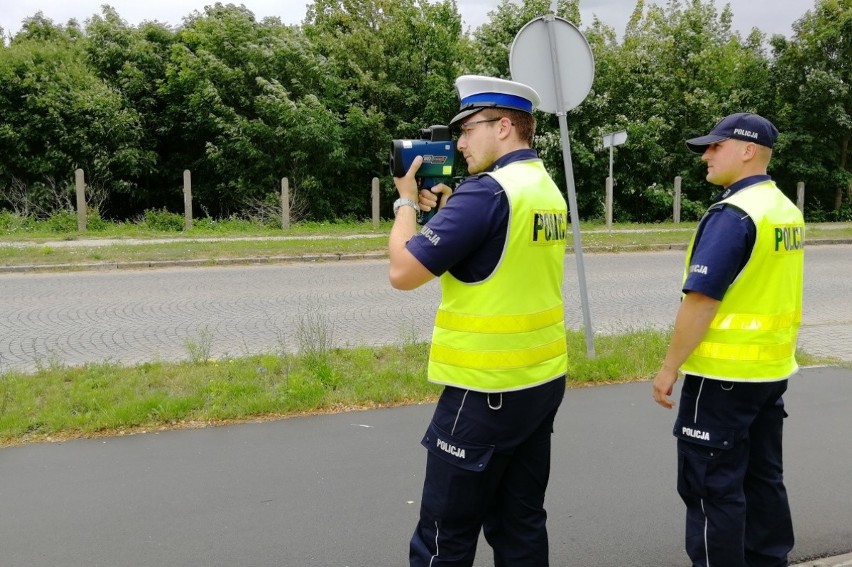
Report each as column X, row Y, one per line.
column 523, row 121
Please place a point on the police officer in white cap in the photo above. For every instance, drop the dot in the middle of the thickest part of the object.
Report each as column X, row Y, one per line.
column 498, row 344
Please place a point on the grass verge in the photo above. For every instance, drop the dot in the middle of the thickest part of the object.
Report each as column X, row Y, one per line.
column 76, row 250
column 57, row 403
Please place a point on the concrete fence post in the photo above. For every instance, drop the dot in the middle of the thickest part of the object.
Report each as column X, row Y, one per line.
column 676, row 200
column 285, row 203
column 800, row 196
column 187, row 199
column 608, row 204
column 80, row 186
column 375, row 201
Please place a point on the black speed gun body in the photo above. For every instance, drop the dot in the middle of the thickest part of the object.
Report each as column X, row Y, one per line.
column 438, row 151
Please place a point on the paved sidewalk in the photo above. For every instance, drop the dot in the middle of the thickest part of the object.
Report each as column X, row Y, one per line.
column 100, row 242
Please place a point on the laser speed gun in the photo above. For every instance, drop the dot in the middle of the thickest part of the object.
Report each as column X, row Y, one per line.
column 438, row 151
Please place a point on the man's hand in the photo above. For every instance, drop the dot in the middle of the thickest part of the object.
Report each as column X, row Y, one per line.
column 694, row 316
column 407, row 185
column 405, row 271
column 429, row 197
column 663, row 386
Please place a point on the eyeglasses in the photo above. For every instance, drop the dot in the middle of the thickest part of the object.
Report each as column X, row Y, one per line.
column 468, row 126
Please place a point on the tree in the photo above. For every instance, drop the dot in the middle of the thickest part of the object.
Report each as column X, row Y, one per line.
column 242, row 102
column 493, row 39
column 132, row 62
column 58, row 116
column 396, row 62
column 679, row 70
column 490, row 51
column 234, row 89
column 814, row 80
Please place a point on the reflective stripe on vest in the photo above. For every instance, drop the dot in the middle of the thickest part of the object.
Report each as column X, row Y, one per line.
column 499, row 360
column 507, row 332
column 753, row 335
column 499, row 323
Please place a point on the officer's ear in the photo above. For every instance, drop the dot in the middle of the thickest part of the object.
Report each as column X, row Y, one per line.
column 749, row 151
column 757, row 153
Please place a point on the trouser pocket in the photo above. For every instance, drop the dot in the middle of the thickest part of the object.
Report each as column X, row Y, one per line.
column 463, row 454
column 711, row 460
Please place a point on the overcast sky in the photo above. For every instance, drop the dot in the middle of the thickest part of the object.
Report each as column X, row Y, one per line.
column 770, row 16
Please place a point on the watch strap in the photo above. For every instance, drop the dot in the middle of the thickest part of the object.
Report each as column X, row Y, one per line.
column 404, row 202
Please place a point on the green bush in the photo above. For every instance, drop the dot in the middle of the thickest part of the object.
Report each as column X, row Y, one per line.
column 844, row 214
column 816, row 212
column 11, row 223
column 229, row 225
column 162, row 220
column 691, row 210
column 266, row 212
column 62, row 222
column 94, row 222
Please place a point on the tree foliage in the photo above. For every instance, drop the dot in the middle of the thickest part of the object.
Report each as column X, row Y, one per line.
column 242, row 103
column 396, row 61
column 58, row 115
column 813, row 73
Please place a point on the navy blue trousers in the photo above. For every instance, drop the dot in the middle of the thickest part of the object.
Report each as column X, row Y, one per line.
column 730, row 473
column 487, row 469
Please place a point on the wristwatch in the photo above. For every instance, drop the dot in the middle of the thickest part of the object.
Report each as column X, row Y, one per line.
column 404, row 202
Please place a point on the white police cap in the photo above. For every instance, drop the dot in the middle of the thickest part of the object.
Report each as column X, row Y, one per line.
column 477, row 92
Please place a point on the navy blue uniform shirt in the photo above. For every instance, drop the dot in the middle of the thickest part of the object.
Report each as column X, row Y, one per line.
column 723, row 244
column 468, row 234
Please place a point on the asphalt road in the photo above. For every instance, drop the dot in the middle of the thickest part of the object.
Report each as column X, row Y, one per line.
column 343, row 490
column 142, row 315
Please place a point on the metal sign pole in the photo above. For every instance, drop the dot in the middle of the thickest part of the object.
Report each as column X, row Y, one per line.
column 572, row 196
column 534, row 60
column 611, row 147
column 610, row 141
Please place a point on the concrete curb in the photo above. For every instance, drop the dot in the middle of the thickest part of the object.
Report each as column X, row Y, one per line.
column 836, row 561
column 201, row 262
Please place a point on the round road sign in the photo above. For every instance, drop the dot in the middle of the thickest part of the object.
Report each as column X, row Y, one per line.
column 543, row 63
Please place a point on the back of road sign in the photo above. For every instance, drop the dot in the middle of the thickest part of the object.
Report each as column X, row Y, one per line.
column 553, row 57
column 533, row 61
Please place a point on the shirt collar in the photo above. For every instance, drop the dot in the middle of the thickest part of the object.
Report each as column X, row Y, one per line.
column 741, row 184
column 511, row 157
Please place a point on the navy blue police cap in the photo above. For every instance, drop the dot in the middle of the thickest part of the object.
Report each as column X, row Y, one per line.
column 477, row 92
column 740, row 126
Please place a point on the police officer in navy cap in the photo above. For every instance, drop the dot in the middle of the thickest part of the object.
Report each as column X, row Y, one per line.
column 735, row 341
column 498, row 344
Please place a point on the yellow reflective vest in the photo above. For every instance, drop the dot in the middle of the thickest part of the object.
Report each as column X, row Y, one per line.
column 753, row 336
column 508, row 332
